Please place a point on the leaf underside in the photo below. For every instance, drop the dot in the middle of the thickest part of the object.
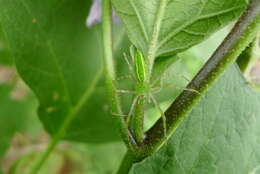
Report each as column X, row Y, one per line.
column 185, row 23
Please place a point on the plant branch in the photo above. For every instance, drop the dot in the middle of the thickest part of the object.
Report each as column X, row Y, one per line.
column 110, row 74
column 239, row 38
column 107, row 40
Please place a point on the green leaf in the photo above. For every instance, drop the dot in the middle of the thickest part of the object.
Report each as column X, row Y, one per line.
column 221, row 135
column 184, row 24
column 60, row 59
column 15, row 115
column 5, row 55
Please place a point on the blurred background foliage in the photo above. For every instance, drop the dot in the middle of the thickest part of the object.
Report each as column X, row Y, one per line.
column 22, row 137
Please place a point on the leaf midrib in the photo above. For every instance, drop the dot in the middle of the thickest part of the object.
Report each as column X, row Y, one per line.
column 73, row 110
column 151, row 52
column 142, row 26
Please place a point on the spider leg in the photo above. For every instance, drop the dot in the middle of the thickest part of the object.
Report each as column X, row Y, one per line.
column 130, row 67
column 130, row 134
column 156, row 90
column 162, row 114
column 132, row 109
column 124, row 77
column 117, row 114
column 131, row 137
column 178, row 76
column 125, row 91
column 158, row 79
column 182, row 88
column 128, row 62
column 182, row 76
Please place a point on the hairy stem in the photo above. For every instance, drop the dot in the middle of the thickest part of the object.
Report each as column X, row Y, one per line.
column 110, row 72
column 155, row 35
column 107, row 40
column 239, row 38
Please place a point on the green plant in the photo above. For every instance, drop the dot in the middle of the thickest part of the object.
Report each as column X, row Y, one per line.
column 210, row 126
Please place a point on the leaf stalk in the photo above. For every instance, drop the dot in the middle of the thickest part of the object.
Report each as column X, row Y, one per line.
column 152, row 48
column 110, row 74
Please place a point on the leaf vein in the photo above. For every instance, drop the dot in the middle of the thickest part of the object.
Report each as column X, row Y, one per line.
column 138, row 15
column 176, row 31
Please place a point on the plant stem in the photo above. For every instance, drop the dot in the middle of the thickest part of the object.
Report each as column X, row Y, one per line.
column 110, row 72
column 107, row 39
column 239, row 38
column 126, row 163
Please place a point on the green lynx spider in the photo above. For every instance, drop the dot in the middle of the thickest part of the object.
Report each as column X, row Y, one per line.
column 143, row 92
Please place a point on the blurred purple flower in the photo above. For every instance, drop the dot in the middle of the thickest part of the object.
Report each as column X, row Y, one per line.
column 116, row 19
column 95, row 14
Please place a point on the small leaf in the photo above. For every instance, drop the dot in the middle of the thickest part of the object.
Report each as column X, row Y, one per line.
column 184, row 24
column 221, row 135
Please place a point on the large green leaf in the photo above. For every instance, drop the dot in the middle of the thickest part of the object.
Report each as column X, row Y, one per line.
column 184, row 24
column 221, row 134
column 60, row 59
column 5, row 56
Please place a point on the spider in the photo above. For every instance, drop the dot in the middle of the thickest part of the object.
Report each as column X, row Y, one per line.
column 144, row 89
